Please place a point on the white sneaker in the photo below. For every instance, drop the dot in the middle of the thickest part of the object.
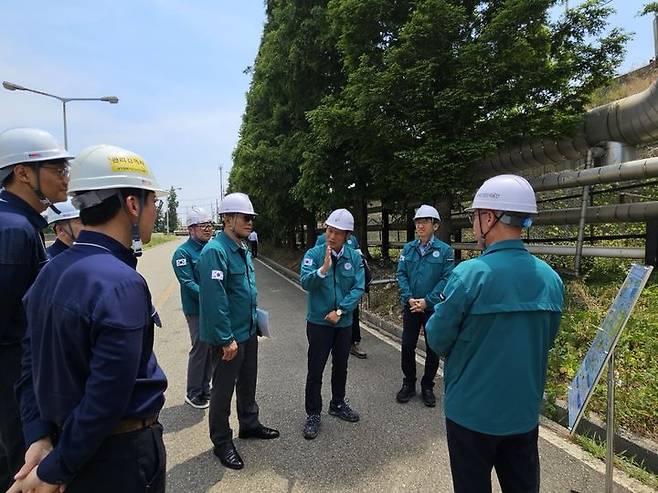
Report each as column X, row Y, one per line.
column 197, row 402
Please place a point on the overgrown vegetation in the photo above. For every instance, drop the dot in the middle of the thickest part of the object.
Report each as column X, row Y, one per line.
column 629, row 465
column 158, row 239
column 587, row 302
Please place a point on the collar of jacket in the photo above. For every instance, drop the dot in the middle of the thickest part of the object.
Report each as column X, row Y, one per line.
column 227, row 241
column 505, row 245
column 416, row 242
column 197, row 244
column 14, row 201
column 87, row 238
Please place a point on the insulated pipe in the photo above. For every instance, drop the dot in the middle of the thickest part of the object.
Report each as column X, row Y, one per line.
column 568, row 250
column 637, row 212
column 632, row 120
column 632, row 170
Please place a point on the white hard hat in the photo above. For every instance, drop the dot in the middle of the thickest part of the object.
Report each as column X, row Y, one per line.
column 236, row 203
column 506, row 193
column 100, row 170
column 66, row 211
column 197, row 215
column 341, row 219
column 427, row 211
column 27, row 145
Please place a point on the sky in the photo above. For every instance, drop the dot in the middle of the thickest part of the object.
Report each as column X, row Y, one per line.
column 177, row 67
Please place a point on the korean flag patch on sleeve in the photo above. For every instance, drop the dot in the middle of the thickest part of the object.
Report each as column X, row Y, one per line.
column 217, row 274
column 308, row 261
column 181, row 262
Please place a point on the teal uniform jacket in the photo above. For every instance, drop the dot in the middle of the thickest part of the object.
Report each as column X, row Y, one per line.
column 227, row 292
column 351, row 241
column 184, row 262
column 342, row 287
column 496, row 321
column 424, row 276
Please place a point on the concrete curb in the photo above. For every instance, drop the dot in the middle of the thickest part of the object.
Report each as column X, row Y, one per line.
column 644, row 451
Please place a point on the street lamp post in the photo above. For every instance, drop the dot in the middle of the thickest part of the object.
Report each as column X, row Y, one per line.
column 10, row 86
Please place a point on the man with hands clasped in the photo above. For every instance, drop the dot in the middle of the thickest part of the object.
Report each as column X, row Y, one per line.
column 423, row 269
column 334, row 278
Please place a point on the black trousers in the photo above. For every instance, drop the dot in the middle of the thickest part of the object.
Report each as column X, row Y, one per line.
column 356, row 327
column 322, row 340
column 133, row 462
column 240, row 374
column 254, row 248
column 411, row 324
column 473, row 455
column 12, row 448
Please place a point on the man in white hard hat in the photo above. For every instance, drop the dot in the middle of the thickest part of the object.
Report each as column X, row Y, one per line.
column 33, row 175
column 253, row 242
column 334, row 278
column 496, row 320
column 66, row 225
column 91, row 387
column 423, row 269
column 199, row 363
column 228, row 322
column 353, row 242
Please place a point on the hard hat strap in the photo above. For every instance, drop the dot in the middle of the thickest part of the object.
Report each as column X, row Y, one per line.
column 66, row 226
column 483, row 235
column 136, row 245
column 37, row 191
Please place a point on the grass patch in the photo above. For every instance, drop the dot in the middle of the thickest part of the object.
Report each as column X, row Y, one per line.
column 627, row 464
column 636, row 363
column 158, row 239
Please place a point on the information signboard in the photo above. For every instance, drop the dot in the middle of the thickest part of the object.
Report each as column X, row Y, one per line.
column 606, row 338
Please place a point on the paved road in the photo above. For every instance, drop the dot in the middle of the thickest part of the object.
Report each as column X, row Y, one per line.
column 393, row 448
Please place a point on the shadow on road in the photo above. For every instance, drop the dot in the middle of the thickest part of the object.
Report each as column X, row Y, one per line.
column 197, row 474
column 177, row 418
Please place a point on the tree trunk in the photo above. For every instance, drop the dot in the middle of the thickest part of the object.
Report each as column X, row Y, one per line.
column 411, row 227
column 361, row 225
column 311, row 225
column 385, row 234
column 445, row 208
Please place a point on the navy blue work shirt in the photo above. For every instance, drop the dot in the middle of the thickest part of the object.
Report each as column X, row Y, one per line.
column 88, row 357
column 22, row 254
column 56, row 248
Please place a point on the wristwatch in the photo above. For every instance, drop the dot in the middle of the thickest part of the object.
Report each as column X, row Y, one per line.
column 339, row 312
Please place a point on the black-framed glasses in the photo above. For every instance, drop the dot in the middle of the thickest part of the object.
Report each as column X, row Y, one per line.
column 471, row 217
column 62, row 171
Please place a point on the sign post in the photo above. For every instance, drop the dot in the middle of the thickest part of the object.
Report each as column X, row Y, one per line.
column 600, row 354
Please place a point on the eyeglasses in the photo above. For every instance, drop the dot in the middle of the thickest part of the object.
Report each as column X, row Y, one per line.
column 62, row 171
column 248, row 218
column 471, row 217
column 204, row 225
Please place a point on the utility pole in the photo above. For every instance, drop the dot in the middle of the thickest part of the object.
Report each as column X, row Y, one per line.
column 221, row 182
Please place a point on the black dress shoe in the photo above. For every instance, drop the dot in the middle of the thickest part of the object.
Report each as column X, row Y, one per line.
column 229, row 456
column 406, row 392
column 262, row 432
column 428, row 397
